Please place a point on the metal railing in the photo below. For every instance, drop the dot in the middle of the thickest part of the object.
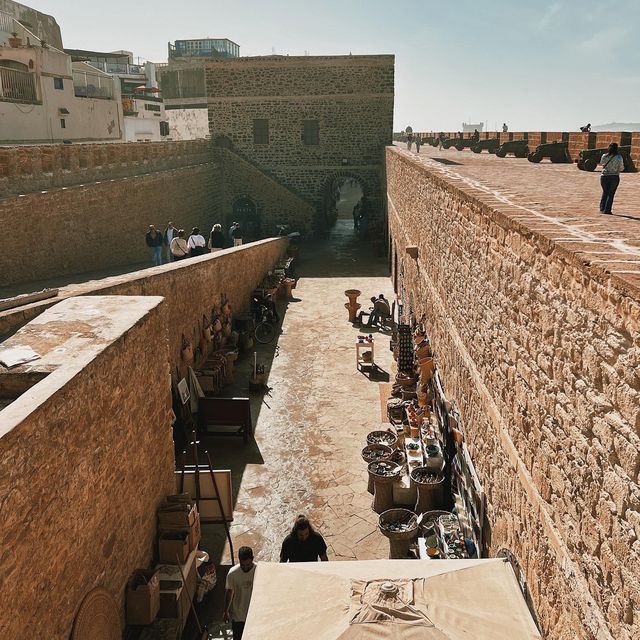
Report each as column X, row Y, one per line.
column 92, row 85
column 119, row 68
column 6, row 22
column 19, row 86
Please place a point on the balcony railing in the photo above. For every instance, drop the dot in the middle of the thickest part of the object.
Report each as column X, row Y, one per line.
column 119, row 68
column 92, row 85
column 17, row 86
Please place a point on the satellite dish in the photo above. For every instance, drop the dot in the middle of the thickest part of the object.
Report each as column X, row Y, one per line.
column 408, row 130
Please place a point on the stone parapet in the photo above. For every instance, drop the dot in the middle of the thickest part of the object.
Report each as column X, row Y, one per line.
column 576, row 139
column 25, row 169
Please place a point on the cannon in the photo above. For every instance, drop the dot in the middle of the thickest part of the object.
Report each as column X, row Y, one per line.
column 589, row 159
column 557, row 152
column 449, row 142
column 433, row 141
column 491, row 145
column 464, row 143
column 519, row 148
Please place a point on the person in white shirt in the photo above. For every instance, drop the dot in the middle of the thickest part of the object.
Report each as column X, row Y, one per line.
column 239, row 587
column 169, row 234
column 179, row 247
column 197, row 244
column 612, row 166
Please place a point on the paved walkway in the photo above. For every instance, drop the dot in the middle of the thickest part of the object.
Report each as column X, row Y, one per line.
column 557, row 200
column 312, row 425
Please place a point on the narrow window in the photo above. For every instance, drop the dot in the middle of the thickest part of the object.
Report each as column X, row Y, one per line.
column 63, row 123
column 58, row 83
column 310, row 132
column 261, row 131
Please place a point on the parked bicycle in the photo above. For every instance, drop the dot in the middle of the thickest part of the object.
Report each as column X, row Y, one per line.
column 265, row 318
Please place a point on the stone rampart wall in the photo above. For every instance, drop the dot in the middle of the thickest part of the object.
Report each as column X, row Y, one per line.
column 576, row 139
column 542, row 353
column 24, row 169
column 190, row 287
column 81, row 477
column 102, row 225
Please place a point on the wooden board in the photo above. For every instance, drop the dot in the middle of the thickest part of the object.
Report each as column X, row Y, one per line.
column 385, row 393
column 208, row 506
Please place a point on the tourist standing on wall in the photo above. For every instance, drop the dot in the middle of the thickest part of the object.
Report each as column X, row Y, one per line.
column 196, row 243
column 236, row 234
column 303, row 544
column 612, row 166
column 504, row 127
column 239, row 587
column 169, row 234
column 409, row 140
column 418, row 143
column 231, row 228
column 440, row 139
column 179, row 247
column 154, row 242
column 216, row 239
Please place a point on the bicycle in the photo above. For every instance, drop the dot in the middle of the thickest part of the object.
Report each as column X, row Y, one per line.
column 265, row 322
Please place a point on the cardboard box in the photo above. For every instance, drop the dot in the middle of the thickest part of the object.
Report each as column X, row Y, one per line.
column 174, row 601
column 177, row 513
column 174, row 546
column 143, row 597
column 193, row 531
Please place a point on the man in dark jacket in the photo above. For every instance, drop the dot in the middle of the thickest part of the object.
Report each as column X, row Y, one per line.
column 303, row 544
column 154, row 242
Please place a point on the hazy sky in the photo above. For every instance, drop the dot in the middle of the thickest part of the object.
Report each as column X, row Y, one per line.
column 536, row 64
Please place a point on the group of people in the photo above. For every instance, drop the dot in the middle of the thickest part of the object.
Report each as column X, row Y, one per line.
column 175, row 246
column 302, row 544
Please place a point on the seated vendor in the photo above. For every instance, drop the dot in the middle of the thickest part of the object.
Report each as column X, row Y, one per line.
column 379, row 311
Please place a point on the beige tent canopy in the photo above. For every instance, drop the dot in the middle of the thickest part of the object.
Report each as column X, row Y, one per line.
column 388, row 600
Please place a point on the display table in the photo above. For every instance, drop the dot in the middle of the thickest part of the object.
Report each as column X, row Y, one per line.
column 364, row 347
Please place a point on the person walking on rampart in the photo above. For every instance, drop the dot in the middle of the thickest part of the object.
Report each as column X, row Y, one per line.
column 612, row 166
column 409, row 141
column 236, row 234
column 154, row 242
column 504, row 127
column 169, row 234
column 418, row 143
column 440, row 139
column 196, row 243
column 216, row 239
column 179, row 247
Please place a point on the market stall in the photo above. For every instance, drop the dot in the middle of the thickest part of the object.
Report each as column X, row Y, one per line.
column 380, row 599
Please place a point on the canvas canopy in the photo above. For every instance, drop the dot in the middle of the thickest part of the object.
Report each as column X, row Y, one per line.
column 388, row 600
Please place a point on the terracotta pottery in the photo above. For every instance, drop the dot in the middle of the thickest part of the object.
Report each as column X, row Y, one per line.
column 289, row 284
column 353, row 311
column 352, row 294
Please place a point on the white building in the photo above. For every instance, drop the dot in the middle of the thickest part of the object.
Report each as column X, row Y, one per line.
column 44, row 97
column 143, row 108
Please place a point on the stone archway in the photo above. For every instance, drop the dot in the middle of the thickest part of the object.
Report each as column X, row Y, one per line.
column 245, row 211
column 340, row 193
